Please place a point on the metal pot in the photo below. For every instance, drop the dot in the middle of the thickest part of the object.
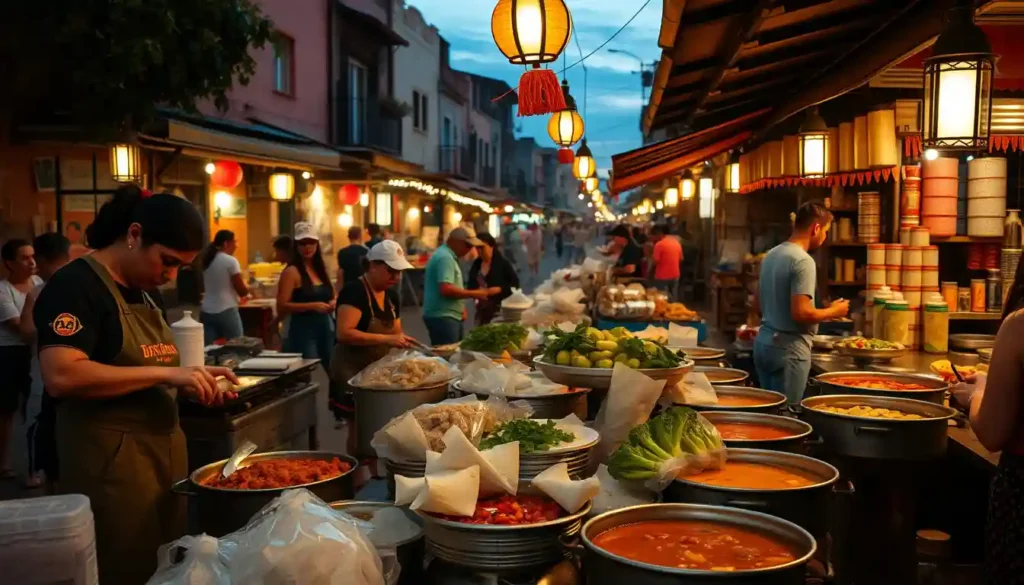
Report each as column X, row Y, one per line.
column 792, row 444
column 375, row 408
column 723, row 376
column 410, row 552
column 805, row 506
column 500, row 548
column 604, row 568
column 771, row 402
column 547, row 406
column 935, row 392
column 220, row 511
column 880, row 438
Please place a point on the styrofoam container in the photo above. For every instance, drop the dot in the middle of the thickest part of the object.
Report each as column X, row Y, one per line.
column 987, row 206
column 936, row 206
column 919, row 236
column 911, row 276
column 986, row 167
column 939, row 187
column 931, row 256
column 940, row 225
column 985, row 226
column 940, row 167
column 988, row 187
column 892, row 275
column 930, row 276
column 913, row 256
column 876, row 274
column 48, row 540
column 876, row 254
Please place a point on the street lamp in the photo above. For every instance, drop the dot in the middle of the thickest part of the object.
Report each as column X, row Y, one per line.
column 646, row 80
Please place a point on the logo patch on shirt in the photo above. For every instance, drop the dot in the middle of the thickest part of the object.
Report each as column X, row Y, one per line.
column 66, row 325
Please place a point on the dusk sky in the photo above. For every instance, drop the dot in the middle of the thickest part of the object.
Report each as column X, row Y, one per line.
column 613, row 100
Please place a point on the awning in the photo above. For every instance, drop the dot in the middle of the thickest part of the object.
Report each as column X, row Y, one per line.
column 248, row 143
column 658, row 161
column 389, row 36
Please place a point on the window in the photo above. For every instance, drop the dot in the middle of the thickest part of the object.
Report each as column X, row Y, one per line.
column 446, row 132
column 357, row 101
column 419, row 111
column 284, row 64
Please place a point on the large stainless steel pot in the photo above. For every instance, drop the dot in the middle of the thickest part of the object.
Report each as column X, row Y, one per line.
column 880, row 438
column 604, row 568
column 806, row 506
column 935, row 392
column 547, row 406
column 375, row 408
column 723, row 376
column 771, row 402
column 794, row 443
column 601, row 378
column 410, row 552
column 500, row 548
column 220, row 511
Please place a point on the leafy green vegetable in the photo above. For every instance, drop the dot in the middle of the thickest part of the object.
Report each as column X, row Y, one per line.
column 532, row 435
column 495, row 338
column 558, row 340
column 674, row 433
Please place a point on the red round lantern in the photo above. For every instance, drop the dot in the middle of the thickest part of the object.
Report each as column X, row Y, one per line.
column 349, row 194
column 227, row 174
column 566, row 156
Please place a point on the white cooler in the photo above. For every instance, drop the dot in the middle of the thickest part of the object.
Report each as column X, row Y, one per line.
column 49, row 540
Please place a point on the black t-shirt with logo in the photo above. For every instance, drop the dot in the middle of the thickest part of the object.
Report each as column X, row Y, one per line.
column 75, row 309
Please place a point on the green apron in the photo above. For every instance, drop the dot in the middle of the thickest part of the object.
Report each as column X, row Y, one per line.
column 124, row 453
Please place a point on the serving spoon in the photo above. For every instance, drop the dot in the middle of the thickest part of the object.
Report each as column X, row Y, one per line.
column 244, row 450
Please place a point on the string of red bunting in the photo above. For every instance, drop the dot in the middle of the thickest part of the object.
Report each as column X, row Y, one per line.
column 996, row 143
column 851, row 179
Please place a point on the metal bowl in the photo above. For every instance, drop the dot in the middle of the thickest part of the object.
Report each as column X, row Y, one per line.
column 222, row 510
column 547, row 406
column 985, row 354
column 500, row 548
column 769, row 402
column 935, row 390
column 793, row 443
column 871, row 355
column 601, row 378
column 700, row 353
column 723, row 376
column 880, row 438
column 605, row 568
column 971, row 341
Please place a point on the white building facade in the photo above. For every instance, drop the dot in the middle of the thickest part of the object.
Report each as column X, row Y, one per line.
column 417, row 76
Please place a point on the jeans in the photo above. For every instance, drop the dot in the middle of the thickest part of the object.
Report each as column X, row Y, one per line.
column 443, row 330
column 224, row 325
column 312, row 335
column 669, row 287
column 783, row 363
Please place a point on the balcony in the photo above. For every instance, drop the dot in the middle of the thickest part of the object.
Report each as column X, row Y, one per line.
column 369, row 123
column 456, row 160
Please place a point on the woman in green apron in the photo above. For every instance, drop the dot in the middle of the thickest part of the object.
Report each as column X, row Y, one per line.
column 108, row 357
column 368, row 323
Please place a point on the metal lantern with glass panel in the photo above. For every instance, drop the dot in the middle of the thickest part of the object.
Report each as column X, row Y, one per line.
column 126, row 163
column 732, row 173
column 282, row 186
column 814, row 145
column 584, row 167
column 707, row 198
column 686, row 186
column 671, row 196
column 958, row 86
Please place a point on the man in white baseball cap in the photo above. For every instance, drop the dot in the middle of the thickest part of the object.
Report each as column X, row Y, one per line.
column 444, row 288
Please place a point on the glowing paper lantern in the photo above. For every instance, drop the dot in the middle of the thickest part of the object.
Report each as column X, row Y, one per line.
column 227, row 174
column 533, row 32
column 565, row 127
column 349, row 194
column 584, row 166
column 282, row 186
column 125, row 163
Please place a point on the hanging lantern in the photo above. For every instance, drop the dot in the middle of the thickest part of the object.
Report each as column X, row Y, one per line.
column 686, row 186
column 126, row 163
column 584, row 167
column 348, row 194
column 814, row 145
column 671, row 197
column 566, row 156
column 590, row 183
column 565, row 127
column 707, row 198
column 227, row 174
column 732, row 173
column 533, row 32
column 282, row 186
column 958, row 86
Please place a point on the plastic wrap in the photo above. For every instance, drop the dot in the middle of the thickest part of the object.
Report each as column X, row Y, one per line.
column 205, row 562
column 409, row 436
column 297, row 538
column 517, row 300
column 402, row 369
column 487, row 377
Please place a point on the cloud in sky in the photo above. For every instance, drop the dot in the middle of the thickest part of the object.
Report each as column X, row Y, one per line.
column 612, row 96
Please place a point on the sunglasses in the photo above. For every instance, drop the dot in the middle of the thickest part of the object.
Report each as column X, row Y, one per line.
column 307, row 242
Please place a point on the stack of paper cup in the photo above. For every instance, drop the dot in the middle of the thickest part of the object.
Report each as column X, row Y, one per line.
column 905, row 235
column 893, row 265
column 931, row 256
column 869, row 216
column 930, row 271
column 913, row 256
column 916, row 333
column 875, row 267
column 920, row 236
column 939, row 195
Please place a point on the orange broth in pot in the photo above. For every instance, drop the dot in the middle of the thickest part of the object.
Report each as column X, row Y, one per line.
column 732, row 400
column 754, row 476
column 731, row 431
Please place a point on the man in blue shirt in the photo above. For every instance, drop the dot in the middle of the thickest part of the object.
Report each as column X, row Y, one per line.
column 782, row 350
column 444, row 289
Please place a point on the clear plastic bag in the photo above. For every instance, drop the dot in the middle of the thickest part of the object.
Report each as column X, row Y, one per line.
column 409, row 436
column 205, row 562
column 485, row 376
column 402, row 369
column 298, row 539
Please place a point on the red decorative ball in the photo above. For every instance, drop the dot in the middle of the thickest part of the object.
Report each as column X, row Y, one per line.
column 227, row 174
column 349, row 194
column 566, row 156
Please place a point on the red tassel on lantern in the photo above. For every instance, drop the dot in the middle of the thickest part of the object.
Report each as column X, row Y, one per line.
column 349, row 194
column 540, row 93
column 566, row 156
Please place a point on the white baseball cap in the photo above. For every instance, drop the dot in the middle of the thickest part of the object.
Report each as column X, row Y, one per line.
column 390, row 253
column 304, row 231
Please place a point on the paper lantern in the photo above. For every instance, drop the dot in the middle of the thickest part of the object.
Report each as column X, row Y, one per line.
column 732, row 173
column 584, row 166
column 686, row 186
column 958, row 86
column 349, row 194
column 565, row 127
column 813, row 146
column 589, row 184
column 227, row 174
column 125, row 163
column 533, row 32
column 671, row 196
column 282, row 186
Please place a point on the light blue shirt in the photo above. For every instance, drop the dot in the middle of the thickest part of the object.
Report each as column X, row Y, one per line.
column 786, row 270
column 443, row 267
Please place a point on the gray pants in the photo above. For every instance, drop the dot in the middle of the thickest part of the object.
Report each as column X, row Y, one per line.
column 783, row 363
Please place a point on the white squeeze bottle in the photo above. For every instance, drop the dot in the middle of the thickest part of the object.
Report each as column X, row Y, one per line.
column 188, row 337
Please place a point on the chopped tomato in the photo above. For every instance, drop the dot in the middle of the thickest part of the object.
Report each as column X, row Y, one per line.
column 511, row 510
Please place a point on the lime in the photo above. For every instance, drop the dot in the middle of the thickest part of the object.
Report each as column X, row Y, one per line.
column 604, row 364
column 600, row 355
column 633, row 363
column 564, row 358
column 581, row 362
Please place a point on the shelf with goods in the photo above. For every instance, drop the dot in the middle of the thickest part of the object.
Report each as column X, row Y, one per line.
column 728, row 300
